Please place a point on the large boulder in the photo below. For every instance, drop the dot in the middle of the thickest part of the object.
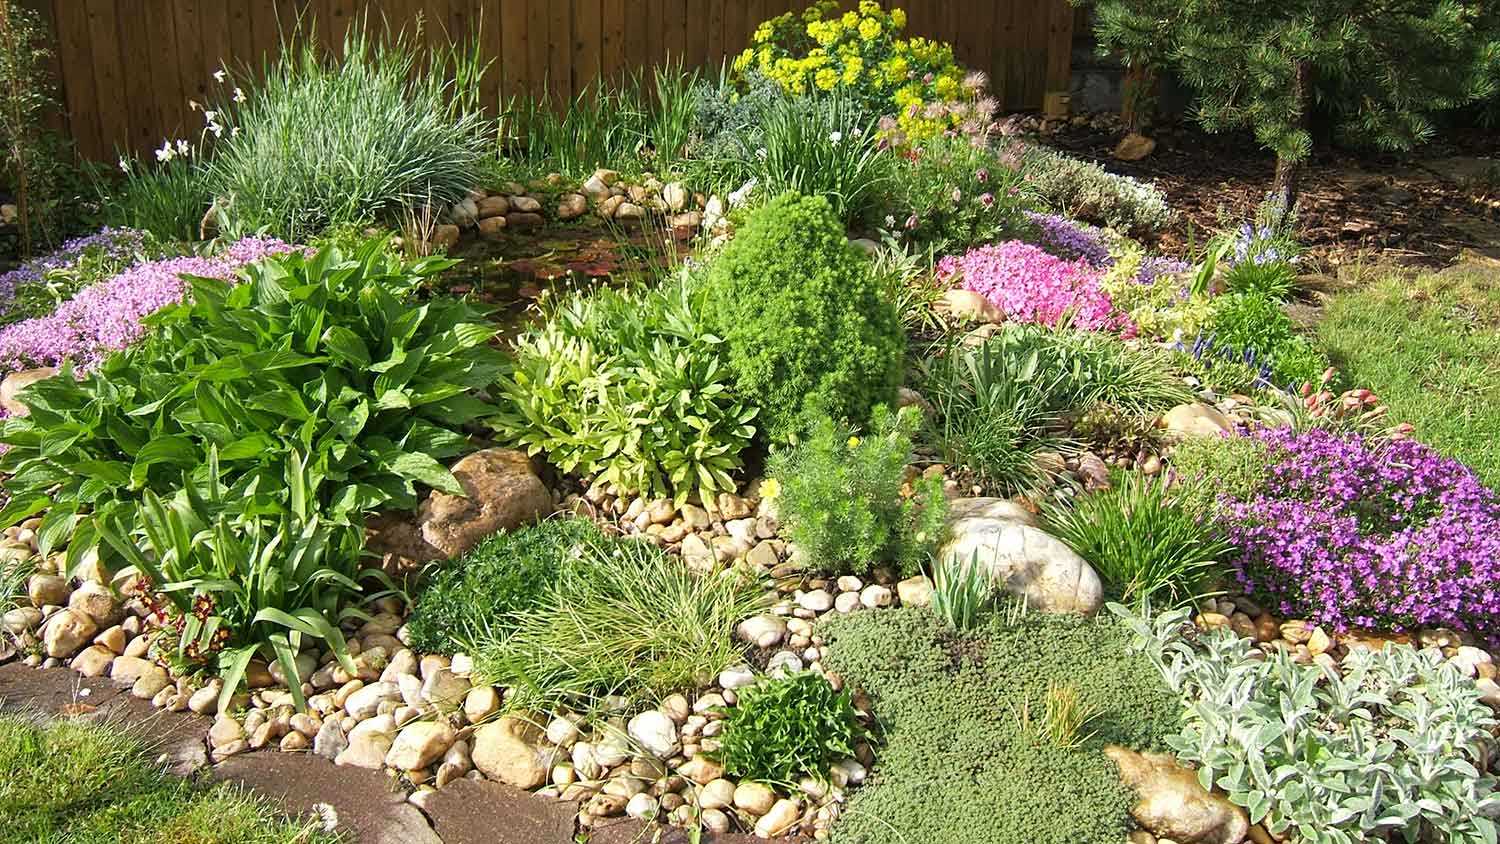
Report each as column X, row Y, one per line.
column 513, row 751
column 1196, row 419
column 1173, row 804
column 1027, row 563
column 501, row 492
column 18, row 381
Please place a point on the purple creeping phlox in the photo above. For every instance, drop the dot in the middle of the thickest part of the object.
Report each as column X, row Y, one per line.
column 1070, row 240
column 106, row 317
column 1032, row 286
column 1357, row 532
column 111, row 242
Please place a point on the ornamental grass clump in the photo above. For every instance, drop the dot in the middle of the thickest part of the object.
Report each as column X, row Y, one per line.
column 1031, row 286
column 1355, row 531
column 331, row 140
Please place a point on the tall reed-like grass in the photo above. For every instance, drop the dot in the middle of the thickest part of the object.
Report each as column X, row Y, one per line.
column 330, row 141
column 640, row 121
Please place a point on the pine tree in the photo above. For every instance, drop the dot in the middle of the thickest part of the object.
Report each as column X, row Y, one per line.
column 1377, row 69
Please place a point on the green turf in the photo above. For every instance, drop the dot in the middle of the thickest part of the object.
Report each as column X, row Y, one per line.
column 75, row 783
column 1430, row 347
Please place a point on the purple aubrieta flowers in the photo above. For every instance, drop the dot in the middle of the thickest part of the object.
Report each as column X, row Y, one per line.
column 1358, row 532
column 1069, row 240
column 106, row 317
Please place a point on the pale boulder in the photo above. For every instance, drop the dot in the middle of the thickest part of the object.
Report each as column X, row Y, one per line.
column 1027, row 563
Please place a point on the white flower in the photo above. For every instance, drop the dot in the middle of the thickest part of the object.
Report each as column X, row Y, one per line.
column 193, row 104
column 835, row 137
column 857, row 132
column 124, row 164
column 890, row 221
column 166, row 153
column 216, row 129
column 85, row 692
column 235, row 132
column 210, row 116
column 239, row 95
column 328, row 816
column 219, row 75
column 183, row 148
column 760, row 153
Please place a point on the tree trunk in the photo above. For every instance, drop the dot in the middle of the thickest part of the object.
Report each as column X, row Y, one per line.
column 1138, row 99
column 1288, row 179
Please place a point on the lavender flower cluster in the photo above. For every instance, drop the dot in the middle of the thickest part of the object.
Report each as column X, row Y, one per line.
column 1155, row 266
column 1259, row 245
column 106, row 317
column 1363, row 532
column 109, row 243
column 1070, row 240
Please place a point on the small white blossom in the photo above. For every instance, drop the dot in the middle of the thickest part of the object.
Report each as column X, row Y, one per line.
column 328, row 816
column 166, row 153
column 219, row 75
column 193, row 105
column 210, row 116
column 216, row 129
column 124, row 164
column 183, row 148
column 835, row 137
column 760, row 153
column 235, row 132
column 239, row 95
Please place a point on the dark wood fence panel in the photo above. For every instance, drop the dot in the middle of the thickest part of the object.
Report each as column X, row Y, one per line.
column 127, row 69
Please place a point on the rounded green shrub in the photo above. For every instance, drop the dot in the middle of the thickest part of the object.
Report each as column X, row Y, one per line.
column 789, row 727
column 808, row 330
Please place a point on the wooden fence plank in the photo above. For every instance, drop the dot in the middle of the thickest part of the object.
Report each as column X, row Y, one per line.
column 612, row 29
column 588, row 42
column 560, row 48
column 79, row 94
column 146, row 103
column 109, row 77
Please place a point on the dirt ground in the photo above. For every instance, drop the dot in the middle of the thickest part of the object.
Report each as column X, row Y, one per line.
column 1424, row 209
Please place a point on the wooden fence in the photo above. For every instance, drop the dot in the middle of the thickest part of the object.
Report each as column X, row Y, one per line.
column 126, row 69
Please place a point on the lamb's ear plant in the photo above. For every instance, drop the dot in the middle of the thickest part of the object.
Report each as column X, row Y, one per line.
column 1391, row 745
column 232, row 578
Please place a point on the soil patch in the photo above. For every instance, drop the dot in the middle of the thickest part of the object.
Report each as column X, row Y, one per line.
column 1423, row 209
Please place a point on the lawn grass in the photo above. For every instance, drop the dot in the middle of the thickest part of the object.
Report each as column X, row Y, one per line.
column 967, row 751
column 1430, row 348
column 76, row 783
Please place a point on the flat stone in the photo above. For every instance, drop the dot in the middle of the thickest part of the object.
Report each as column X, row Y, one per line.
column 419, row 745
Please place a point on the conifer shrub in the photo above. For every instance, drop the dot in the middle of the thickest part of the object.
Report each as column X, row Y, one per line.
column 808, row 329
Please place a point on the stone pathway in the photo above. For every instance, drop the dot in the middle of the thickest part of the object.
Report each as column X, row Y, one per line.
column 465, row 812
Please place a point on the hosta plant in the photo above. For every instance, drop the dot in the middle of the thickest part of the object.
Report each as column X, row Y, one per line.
column 628, row 385
column 1388, row 747
column 327, row 355
column 232, row 578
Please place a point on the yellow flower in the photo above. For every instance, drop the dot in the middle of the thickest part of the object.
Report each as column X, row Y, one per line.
column 898, row 18
column 826, row 78
column 852, row 69
column 850, row 19
column 869, row 7
column 770, row 488
column 854, row 442
column 869, row 28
